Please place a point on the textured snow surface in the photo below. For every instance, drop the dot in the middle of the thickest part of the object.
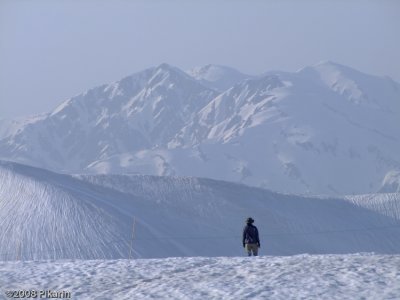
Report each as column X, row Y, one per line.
column 298, row 277
column 326, row 129
column 44, row 215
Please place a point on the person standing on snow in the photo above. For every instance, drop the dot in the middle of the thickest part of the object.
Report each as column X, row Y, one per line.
column 251, row 240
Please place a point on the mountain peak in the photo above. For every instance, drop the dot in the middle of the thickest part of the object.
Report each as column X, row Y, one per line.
column 163, row 121
column 212, row 72
column 327, row 68
column 322, row 66
column 328, row 63
column 167, row 70
column 167, row 67
column 217, row 76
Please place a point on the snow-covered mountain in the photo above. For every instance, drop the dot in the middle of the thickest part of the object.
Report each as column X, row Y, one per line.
column 48, row 215
column 325, row 129
column 135, row 113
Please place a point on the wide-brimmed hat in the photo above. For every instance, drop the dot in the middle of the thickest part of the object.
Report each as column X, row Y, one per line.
column 249, row 220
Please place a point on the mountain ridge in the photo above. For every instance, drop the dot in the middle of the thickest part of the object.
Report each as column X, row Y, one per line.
column 265, row 130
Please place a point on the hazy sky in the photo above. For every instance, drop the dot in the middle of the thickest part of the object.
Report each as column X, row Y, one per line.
column 52, row 50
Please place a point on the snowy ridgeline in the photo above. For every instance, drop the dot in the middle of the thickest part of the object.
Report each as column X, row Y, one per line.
column 326, row 129
column 296, row 277
column 44, row 215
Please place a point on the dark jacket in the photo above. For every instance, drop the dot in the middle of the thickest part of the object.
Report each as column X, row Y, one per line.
column 250, row 235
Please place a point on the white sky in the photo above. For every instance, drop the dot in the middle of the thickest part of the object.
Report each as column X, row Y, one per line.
column 51, row 50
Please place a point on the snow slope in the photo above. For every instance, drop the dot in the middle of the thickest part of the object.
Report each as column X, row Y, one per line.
column 387, row 204
column 339, row 277
column 11, row 127
column 45, row 215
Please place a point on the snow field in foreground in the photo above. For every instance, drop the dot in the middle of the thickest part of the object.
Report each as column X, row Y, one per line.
column 358, row 276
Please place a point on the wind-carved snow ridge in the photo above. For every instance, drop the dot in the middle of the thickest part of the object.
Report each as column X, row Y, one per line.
column 387, row 204
column 326, row 129
column 45, row 215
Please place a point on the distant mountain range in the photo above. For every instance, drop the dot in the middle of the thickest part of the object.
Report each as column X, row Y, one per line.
column 325, row 129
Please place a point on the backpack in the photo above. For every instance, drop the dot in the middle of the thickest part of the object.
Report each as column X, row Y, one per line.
column 251, row 234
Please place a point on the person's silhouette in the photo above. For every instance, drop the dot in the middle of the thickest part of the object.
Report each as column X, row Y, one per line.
column 251, row 239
